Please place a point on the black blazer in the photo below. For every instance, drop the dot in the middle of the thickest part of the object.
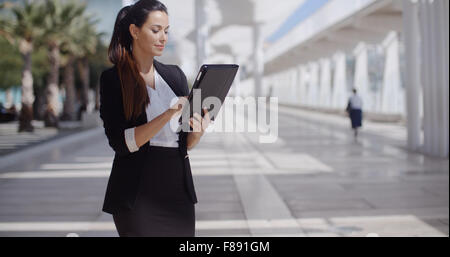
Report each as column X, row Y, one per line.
column 127, row 167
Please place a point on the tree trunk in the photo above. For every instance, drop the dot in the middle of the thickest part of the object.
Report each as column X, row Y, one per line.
column 26, row 113
column 69, row 83
column 52, row 91
column 83, row 67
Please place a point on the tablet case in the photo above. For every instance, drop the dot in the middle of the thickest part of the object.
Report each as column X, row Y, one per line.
column 214, row 80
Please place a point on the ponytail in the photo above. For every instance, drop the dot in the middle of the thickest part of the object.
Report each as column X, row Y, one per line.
column 134, row 91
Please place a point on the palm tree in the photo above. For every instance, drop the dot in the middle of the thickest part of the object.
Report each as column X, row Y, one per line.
column 22, row 31
column 81, row 41
column 97, row 63
column 60, row 16
column 91, row 41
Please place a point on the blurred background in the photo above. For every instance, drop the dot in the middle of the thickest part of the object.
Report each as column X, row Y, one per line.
column 309, row 54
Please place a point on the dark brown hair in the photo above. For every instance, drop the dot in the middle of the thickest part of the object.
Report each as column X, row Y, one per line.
column 134, row 90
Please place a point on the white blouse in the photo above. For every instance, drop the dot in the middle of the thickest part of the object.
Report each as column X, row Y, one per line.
column 161, row 99
column 356, row 102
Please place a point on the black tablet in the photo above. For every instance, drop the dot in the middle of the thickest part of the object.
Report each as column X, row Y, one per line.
column 212, row 84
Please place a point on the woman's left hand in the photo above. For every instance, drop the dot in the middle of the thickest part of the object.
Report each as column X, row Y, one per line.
column 199, row 124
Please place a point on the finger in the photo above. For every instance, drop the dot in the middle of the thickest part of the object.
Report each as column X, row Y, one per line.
column 206, row 120
column 195, row 123
column 196, row 126
column 206, row 112
column 207, row 117
column 183, row 101
column 198, row 117
column 205, row 124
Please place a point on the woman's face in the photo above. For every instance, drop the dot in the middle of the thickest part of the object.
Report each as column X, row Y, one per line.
column 152, row 37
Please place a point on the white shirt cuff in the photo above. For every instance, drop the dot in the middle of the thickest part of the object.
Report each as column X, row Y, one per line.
column 130, row 140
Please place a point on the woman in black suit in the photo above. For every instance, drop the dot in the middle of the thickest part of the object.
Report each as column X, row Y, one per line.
column 150, row 190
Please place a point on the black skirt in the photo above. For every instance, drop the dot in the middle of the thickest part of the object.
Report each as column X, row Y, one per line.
column 356, row 118
column 163, row 207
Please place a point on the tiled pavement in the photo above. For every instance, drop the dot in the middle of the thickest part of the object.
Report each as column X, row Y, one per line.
column 11, row 141
column 314, row 181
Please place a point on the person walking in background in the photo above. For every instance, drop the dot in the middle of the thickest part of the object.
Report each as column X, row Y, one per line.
column 354, row 110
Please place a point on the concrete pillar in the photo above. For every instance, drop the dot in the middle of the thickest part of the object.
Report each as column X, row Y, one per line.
column 293, row 86
column 391, row 93
column 325, row 83
column 413, row 78
column 303, row 85
column 433, row 20
column 313, row 94
column 445, row 95
column 429, row 79
column 426, row 78
column 258, row 58
column 269, row 83
column 440, row 52
column 361, row 82
column 339, row 94
column 202, row 31
column 282, row 91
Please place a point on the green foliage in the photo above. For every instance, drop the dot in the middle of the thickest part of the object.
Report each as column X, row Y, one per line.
column 60, row 17
column 24, row 21
column 44, row 23
column 10, row 65
column 98, row 62
column 40, row 68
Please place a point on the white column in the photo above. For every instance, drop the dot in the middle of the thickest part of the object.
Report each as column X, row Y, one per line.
column 279, row 89
column 325, row 83
column 202, row 31
column 391, row 93
column 445, row 30
column 442, row 84
column 284, row 90
column 433, row 19
column 425, row 78
column 269, row 83
column 434, row 97
column 294, row 83
column 412, row 83
column 303, row 85
column 361, row 82
column 432, row 83
column 339, row 95
column 298, row 89
column 258, row 58
column 313, row 94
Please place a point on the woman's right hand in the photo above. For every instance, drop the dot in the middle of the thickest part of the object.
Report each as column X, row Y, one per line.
column 178, row 107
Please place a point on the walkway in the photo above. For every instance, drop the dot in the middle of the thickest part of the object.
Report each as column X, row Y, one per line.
column 314, row 181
